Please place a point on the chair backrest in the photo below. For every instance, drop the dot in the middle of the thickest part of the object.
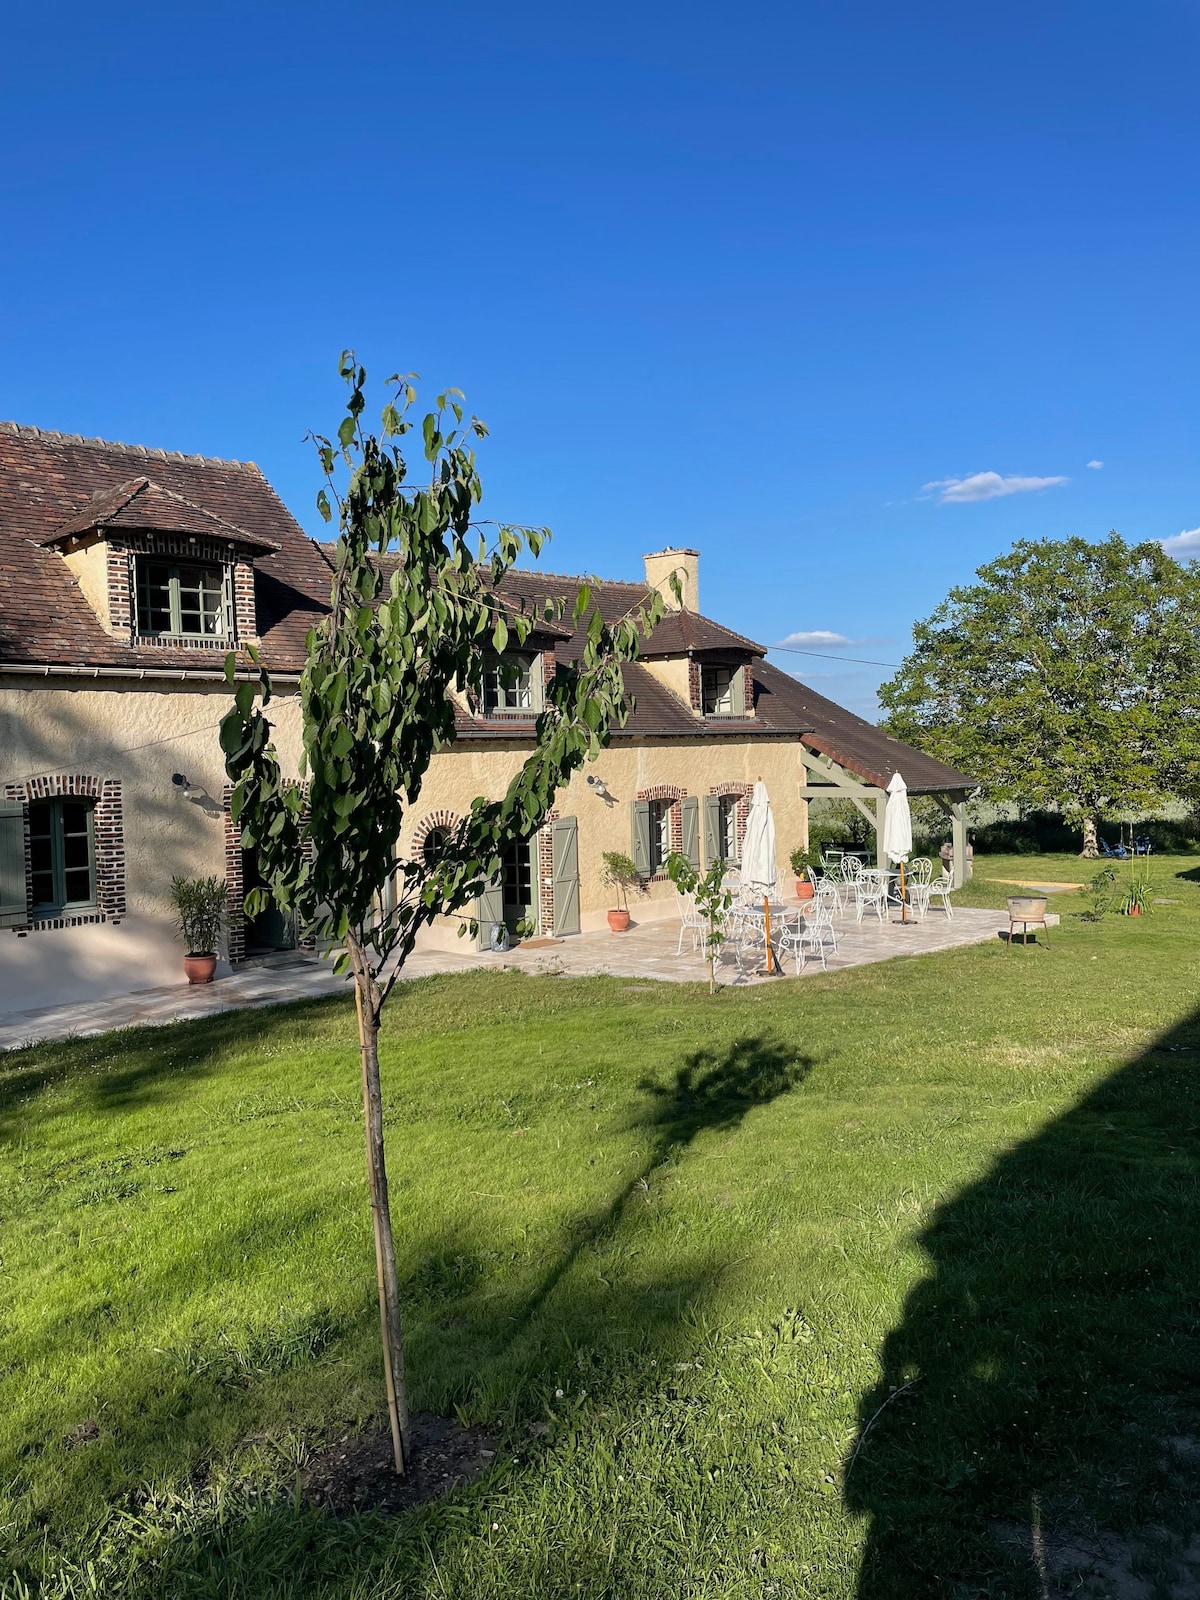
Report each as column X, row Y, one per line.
column 852, row 868
column 920, row 870
column 687, row 909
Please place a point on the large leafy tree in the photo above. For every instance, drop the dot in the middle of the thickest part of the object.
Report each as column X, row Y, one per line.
column 416, row 601
column 1067, row 676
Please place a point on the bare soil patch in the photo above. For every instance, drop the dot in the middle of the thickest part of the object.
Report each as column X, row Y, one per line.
column 355, row 1473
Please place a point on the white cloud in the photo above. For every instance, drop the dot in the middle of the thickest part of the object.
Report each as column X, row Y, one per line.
column 815, row 639
column 987, row 486
column 1095, row 465
column 1183, row 546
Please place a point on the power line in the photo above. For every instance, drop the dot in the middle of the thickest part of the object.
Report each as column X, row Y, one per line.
column 859, row 661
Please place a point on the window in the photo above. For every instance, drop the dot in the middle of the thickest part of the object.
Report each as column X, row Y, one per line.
column 727, row 827
column 517, row 882
column 62, row 851
column 181, row 599
column 722, row 692
column 435, row 845
column 660, row 834
column 508, row 684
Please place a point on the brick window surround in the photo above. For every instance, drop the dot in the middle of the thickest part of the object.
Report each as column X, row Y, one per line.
column 449, row 820
column 695, row 692
column 122, row 608
column 235, row 881
column 109, row 841
column 671, row 792
column 743, row 791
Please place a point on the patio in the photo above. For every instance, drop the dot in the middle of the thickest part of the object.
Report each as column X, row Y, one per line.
column 646, row 951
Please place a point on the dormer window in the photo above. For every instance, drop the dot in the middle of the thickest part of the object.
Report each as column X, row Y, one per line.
column 722, row 691
column 512, row 684
column 182, row 600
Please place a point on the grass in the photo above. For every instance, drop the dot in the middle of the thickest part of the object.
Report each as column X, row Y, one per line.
column 675, row 1251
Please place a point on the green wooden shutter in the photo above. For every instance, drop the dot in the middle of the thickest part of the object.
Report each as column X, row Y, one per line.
column 14, row 909
column 689, row 816
column 537, row 683
column 737, row 693
column 712, row 829
column 565, row 841
column 489, row 908
column 641, row 837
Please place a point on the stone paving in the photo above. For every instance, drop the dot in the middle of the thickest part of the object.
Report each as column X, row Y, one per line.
column 647, row 951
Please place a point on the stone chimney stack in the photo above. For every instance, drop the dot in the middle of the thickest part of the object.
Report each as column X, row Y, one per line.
column 686, row 565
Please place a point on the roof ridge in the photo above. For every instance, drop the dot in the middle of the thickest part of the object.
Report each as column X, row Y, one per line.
column 144, row 452
column 578, row 577
column 149, row 483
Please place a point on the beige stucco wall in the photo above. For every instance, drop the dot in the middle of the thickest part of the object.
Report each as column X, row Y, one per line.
column 672, row 671
column 89, row 563
column 140, row 733
column 696, row 766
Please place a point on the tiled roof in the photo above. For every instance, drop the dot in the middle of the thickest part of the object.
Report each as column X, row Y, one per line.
column 857, row 744
column 56, row 484
column 141, row 504
column 677, row 633
column 48, row 481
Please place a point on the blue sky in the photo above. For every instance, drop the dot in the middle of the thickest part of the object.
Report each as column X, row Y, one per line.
column 744, row 278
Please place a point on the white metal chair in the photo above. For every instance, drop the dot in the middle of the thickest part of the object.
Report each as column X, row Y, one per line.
column 940, row 889
column 809, row 933
column 690, row 922
column 828, row 892
column 791, row 939
column 871, row 890
column 918, row 880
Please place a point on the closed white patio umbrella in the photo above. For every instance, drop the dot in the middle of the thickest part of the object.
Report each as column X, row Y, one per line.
column 897, row 832
column 759, row 871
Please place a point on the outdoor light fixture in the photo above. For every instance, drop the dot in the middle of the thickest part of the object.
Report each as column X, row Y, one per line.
column 189, row 791
column 599, row 786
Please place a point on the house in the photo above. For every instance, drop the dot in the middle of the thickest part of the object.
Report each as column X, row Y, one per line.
column 126, row 573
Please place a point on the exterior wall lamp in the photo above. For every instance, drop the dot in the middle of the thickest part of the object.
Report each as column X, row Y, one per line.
column 189, row 790
column 599, row 787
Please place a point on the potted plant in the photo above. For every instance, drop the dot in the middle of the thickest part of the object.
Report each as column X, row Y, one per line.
column 1137, row 901
column 804, row 864
column 199, row 914
column 621, row 873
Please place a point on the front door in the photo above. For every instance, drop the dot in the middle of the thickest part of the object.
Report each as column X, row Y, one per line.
column 273, row 929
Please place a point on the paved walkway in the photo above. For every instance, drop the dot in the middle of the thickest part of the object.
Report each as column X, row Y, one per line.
column 648, row 950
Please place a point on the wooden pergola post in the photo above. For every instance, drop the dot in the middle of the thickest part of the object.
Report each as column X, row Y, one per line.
column 830, row 780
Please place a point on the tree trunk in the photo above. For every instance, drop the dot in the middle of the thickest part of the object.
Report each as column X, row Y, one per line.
column 1090, row 848
column 381, row 1217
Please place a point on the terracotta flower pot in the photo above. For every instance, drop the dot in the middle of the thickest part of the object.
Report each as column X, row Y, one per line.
column 199, row 969
column 1135, row 911
column 618, row 921
column 804, row 889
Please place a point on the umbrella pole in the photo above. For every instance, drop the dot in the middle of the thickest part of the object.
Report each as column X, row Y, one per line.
column 903, row 896
column 767, row 919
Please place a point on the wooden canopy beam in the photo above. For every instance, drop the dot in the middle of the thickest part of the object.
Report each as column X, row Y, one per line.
column 834, row 782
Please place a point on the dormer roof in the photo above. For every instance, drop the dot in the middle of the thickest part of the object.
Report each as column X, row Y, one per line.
column 143, row 505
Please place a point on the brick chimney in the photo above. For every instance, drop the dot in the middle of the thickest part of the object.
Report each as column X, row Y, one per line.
column 686, row 565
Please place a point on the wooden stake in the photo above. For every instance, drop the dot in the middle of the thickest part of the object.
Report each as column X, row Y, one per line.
column 385, row 1250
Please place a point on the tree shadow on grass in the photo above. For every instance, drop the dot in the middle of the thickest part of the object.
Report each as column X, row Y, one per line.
column 193, row 1541
column 710, row 1093
column 1038, row 1414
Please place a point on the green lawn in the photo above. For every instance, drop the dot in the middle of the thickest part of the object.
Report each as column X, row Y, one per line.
column 701, row 1239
